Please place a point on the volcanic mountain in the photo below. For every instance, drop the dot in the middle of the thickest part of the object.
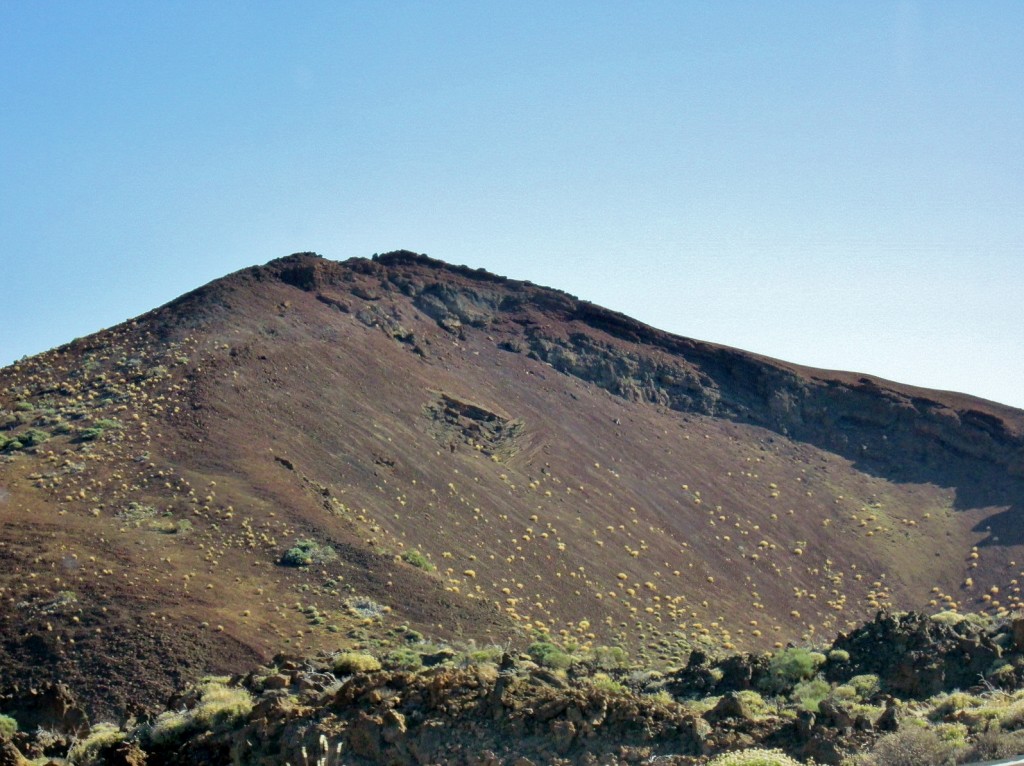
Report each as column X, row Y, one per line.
column 310, row 455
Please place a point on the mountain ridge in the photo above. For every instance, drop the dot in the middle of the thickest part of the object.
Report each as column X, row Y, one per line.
column 1004, row 424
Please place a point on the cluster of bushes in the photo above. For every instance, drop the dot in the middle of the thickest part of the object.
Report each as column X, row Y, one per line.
column 33, row 437
column 403, row 659
column 52, row 419
column 548, row 655
column 789, row 667
column 917, row 743
column 307, row 552
column 609, row 657
column 792, row 674
column 97, row 429
column 544, row 653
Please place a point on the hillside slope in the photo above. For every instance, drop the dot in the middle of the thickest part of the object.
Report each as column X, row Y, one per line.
column 469, row 458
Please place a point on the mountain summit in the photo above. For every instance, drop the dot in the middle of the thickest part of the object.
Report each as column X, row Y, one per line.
column 312, row 454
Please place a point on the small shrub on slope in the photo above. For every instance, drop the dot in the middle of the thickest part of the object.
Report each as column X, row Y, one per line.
column 403, row 659
column 754, row 757
column 602, row 682
column 218, row 706
column 418, row 560
column 87, row 751
column 348, row 663
column 610, row 657
column 809, row 694
column 33, row 437
column 307, row 552
column 789, row 667
column 911, row 746
column 547, row 655
column 995, row 744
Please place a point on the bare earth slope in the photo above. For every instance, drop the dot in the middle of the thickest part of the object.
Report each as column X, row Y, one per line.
column 560, row 467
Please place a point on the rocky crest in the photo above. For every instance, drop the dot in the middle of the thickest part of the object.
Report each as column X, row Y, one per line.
column 912, row 433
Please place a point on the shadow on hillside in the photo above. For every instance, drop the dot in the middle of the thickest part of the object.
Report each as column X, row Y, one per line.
column 897, row 433
column 976, row 483
column 1003, row 528
column 888, row 431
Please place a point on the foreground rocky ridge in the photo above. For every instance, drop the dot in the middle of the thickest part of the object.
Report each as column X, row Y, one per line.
column 882, row 693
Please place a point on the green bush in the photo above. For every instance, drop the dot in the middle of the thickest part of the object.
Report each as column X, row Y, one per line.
column 547, row 655
column 948, row 618
column 955, row 702
column 754, row 703
column 402, row 659
column 219, row 706
column 33, row 437
column 97, row 429
column 89, row 434
column 789, row 667
column 955, row 618
column 809, row 694
column 88, row 751
column 662, row 697
column 1002, row 672
column 610, row 657
column 418, row 560
column 605, row 683
column 866, row 685
column 348, row 663
column 845, row 693
column 11, row 444
column 7, row 726
column 754, row 757
column 485, row 655
column 307, row 552
column 137, row 512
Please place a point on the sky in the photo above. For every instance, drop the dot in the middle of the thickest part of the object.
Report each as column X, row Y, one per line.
column 834, row 184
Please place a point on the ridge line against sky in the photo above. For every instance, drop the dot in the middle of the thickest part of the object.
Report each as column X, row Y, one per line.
column 836, row 185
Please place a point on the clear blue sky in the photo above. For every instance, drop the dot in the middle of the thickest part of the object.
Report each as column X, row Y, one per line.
column 832, row 183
